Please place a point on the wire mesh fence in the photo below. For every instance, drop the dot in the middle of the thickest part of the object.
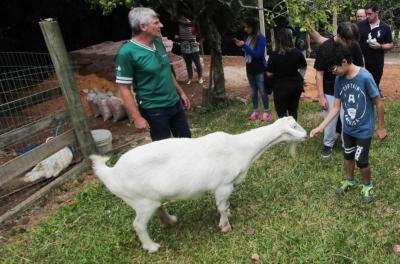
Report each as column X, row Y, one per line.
column 27, row 82
column 29, row 91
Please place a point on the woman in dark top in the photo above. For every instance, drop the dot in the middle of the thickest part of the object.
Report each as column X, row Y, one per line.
column 254, row 48
column 283, row 66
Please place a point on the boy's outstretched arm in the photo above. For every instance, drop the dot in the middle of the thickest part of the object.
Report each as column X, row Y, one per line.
column 380, row 112
column 332, row 113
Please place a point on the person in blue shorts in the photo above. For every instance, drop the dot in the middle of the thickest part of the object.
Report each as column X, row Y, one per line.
column 356, row 91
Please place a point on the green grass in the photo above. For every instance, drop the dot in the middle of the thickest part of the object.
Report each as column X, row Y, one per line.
column 286, row 211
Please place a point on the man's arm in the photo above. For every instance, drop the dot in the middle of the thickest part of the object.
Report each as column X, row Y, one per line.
column 319, row 77
column 332, row 113
column 380, row 110
column 384, row 47
column 308, row 44
column 184, row 98
column 131, row 107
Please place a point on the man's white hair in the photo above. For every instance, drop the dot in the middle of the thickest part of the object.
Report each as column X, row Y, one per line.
column 140, row 15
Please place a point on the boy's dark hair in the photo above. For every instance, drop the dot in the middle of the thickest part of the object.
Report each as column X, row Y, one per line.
column 374, row 6
column 340, row 52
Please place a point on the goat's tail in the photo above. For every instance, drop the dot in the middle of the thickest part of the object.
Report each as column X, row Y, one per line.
column 100, row 168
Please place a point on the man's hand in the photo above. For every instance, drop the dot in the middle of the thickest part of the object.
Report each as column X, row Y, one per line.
column 142, row 124
column 308, row 52
column 381, row 134
column 315, row 132
column 185, row 101
column 323, row 103
column 375, row 45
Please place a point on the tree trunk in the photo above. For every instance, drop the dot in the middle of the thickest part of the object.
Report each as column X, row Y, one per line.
column 215, row 95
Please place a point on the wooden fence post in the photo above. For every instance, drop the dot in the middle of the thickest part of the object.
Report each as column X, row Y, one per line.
column 58, row 53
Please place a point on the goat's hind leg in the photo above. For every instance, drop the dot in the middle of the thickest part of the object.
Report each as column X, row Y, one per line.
column 144, row 211
column 166, row 218
column 222, row 195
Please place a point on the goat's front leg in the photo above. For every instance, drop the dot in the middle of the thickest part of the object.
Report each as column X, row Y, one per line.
column 144, row 211
column 221, row 198
column 166, row 218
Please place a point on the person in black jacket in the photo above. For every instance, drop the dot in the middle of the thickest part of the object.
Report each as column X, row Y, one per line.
column 283, row 66
column 347, row 34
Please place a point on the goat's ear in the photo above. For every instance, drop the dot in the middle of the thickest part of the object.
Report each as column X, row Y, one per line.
column 295, row 129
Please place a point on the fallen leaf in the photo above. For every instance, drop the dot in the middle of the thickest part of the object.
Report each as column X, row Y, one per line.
column 396, row 249
column 255, row 257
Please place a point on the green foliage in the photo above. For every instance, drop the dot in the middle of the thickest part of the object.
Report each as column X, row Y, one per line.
column 286, row 211
column 109, row 5
column 318, row 12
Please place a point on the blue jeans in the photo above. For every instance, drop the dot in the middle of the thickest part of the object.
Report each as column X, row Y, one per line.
column 165, row 120
column 257, row 86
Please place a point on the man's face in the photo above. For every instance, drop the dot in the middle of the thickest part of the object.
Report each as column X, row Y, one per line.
column 361, row 15
column 372, row 16
column 153, row 28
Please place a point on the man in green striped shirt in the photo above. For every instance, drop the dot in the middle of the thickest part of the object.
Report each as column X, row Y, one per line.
column 143, row 64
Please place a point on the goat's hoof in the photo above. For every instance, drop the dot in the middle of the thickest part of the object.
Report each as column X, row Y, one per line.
column 151, row 248
column 226, row 228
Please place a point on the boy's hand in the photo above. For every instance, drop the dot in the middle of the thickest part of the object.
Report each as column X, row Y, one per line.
column 315, row 132
column 381, row 134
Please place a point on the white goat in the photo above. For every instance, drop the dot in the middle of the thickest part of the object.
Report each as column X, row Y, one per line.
column 184, row 168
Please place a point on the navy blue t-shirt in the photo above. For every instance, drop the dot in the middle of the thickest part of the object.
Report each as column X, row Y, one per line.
column 382, row 34
column 357, row 99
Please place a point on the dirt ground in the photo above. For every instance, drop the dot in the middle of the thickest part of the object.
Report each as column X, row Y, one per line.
column 96, row 70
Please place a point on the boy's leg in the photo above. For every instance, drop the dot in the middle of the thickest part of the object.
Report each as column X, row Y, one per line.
column 366, row 175
column 361, row 157
column 349, row 163
column 349, row 168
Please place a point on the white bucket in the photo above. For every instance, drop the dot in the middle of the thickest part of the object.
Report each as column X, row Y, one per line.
column 103, row 140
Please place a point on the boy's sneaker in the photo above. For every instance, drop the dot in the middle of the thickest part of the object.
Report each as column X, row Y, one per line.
column 201, row 80
column 326, row 152
column 254, row 116
column 367, row 193
column 266, row 117
column 346, row 186
column 189, row 81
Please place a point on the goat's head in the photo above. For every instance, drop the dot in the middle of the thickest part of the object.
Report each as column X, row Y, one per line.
column 292, row 131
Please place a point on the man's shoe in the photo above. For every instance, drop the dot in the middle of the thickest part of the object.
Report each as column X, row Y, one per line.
column 201, row 80
column 189, row 81
column 367, row 194
column 346, row 186
column 326, row 152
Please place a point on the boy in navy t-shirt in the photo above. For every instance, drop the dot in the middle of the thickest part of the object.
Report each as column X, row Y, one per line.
column 356, row 91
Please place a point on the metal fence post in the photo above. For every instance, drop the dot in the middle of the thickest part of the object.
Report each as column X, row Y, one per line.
column 58, row 53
